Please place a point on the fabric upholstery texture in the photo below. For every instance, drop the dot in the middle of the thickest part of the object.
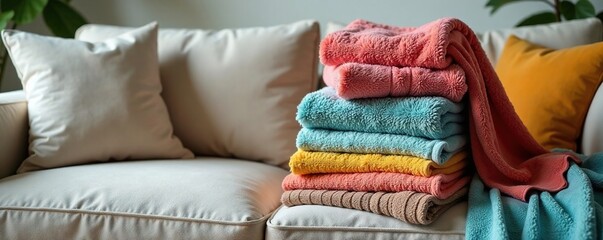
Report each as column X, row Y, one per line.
column 550, row 89
column 205, row 198
column 233, row 92
column 105, row 104
column 592, row 134
column 13, row 131
column 323, row 222
column 554, row 35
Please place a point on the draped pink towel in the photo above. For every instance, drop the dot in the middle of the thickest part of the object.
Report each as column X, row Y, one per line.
column 359, row 80
column 441, row 186
column 505, row 155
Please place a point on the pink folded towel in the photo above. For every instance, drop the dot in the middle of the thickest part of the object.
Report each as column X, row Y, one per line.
column 358, row 80
column 505, row 154
column 442, row 185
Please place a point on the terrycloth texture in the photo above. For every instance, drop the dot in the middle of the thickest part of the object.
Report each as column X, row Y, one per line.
column 506, row 155
column 430, row 117
column 358, row 80
column 441, row 186
column 303, row 162
column 321, row 140
column 408, row 206
column 573, row 213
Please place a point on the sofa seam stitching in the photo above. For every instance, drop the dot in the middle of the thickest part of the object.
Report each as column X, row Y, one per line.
column 135, row 215
column 355, row 229
column 269, row 224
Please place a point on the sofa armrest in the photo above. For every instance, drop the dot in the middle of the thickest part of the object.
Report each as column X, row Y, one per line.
column 14, row 126
column 592, row 133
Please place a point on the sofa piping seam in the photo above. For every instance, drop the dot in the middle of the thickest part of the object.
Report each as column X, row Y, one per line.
column 355, row 229
column 346, row 228
column 133, row 215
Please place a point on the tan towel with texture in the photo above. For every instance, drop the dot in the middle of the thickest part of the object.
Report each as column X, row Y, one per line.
column 408, row 206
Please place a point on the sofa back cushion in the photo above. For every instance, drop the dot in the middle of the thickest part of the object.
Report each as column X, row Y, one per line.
column 234, row 92
column 554, row 35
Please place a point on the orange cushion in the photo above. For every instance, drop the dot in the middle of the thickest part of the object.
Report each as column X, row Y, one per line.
column 550, row 89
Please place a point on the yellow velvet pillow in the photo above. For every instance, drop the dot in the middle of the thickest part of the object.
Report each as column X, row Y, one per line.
column 550, row 89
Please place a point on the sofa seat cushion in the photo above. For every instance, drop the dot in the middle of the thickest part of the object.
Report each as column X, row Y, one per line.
column 323, row 222
column 205, row 198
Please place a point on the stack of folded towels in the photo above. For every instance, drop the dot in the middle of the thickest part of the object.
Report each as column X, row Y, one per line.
column 385, row 139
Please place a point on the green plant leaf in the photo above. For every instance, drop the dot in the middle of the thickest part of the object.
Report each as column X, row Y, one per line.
column 496, row 4
column 538, row 18
column 568, row 10
column 25, row 10
column 5, row 17
column 62, row 19
column 600, row 16
column 584, row 9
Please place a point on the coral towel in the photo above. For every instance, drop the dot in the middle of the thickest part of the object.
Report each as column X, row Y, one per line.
column 358, row 80
column 441, row 186
column 410, row 207
column 303, row 162
column 505, row 154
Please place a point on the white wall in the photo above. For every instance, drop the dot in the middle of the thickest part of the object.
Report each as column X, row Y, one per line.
column 217, row 14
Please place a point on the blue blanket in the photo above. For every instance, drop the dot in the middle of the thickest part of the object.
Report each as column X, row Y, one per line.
column 382, row 143
column 429, row 117
column 573, row 213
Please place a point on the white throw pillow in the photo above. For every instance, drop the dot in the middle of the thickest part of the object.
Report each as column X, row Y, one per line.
column 234, row 92
column 93, row 102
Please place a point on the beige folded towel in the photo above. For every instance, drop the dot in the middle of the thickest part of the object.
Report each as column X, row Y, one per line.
column 408, row 206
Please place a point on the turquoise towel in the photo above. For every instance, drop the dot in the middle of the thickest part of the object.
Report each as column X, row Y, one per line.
column 573, row 213
column 430, row 117
column 382, row 143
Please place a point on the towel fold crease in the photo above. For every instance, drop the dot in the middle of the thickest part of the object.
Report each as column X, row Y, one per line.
column 303, row 162
column 357, row 80
column 323, row 140
column 429, row 117
column 441, row 186
column 408, row 206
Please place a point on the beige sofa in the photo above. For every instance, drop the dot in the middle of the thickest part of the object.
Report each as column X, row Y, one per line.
column 232, row 190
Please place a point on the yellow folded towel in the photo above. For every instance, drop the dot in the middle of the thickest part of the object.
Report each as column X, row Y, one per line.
column 304, row 162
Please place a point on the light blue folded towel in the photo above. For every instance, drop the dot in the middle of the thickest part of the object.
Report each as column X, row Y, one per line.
column 382, row 143
column 572, row 213
column 430, row 117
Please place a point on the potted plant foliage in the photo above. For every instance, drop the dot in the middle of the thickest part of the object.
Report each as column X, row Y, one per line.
column 59, row 16
column 560, row 10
